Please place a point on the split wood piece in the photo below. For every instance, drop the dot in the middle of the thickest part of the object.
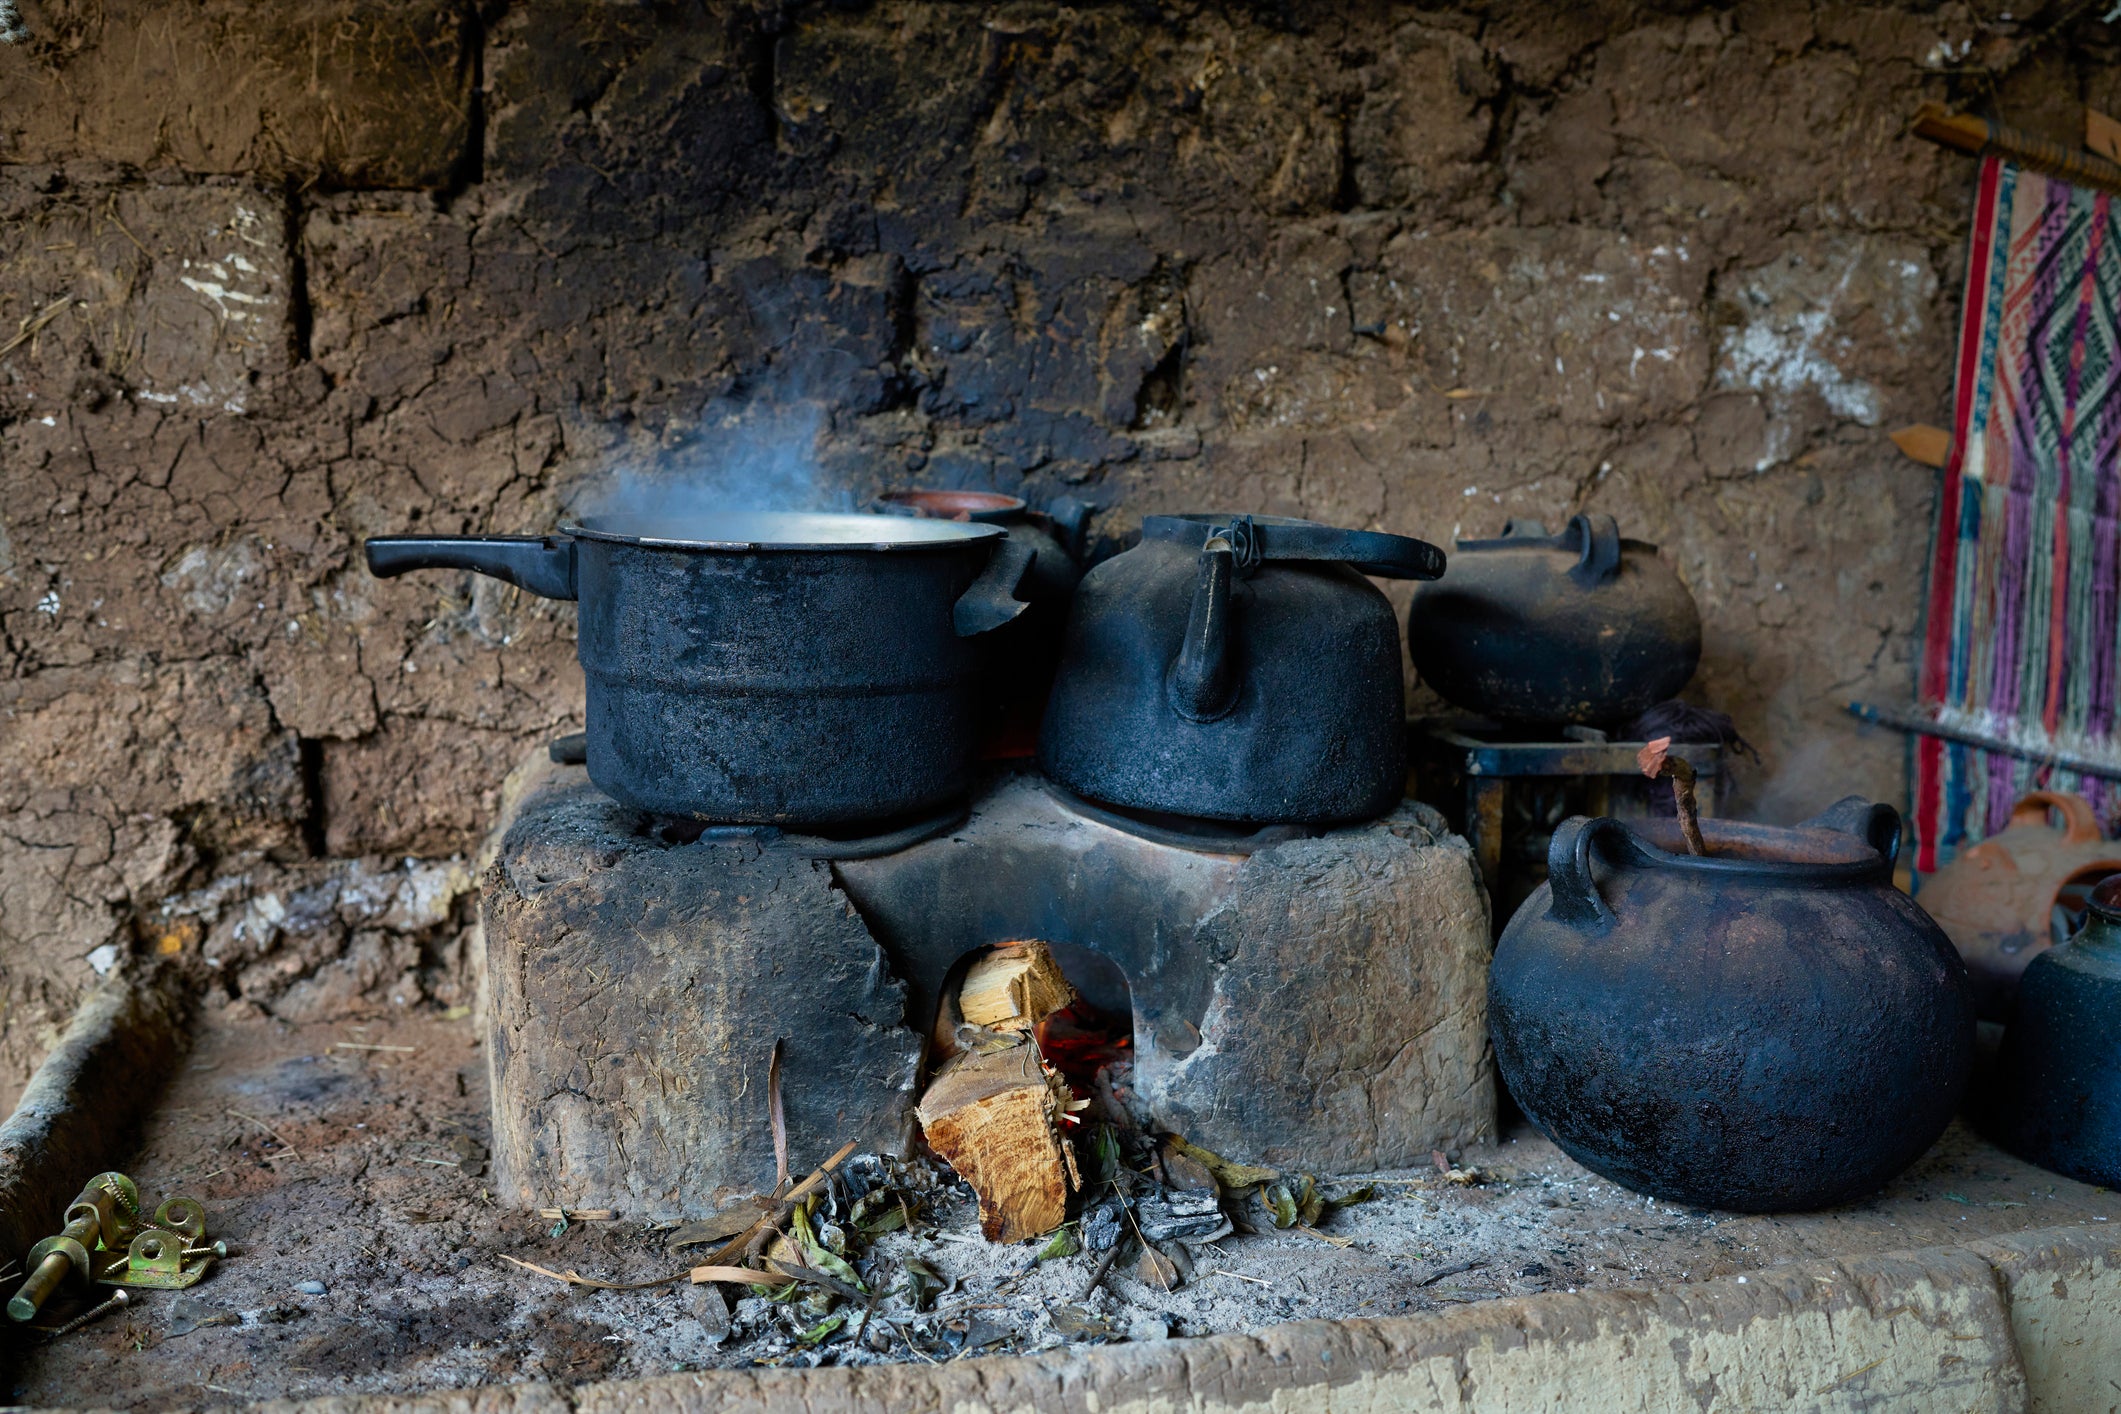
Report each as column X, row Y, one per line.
column 1014, row 988
column 995, row 1117
column 1656, row 760
column 1932, row 446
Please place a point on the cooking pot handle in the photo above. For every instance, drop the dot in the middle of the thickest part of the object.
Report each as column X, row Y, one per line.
column 1876, row 825
column 1577, row 903
column 991, row 601
column 542, row 564
column 1600, row 535
column 2079, row 825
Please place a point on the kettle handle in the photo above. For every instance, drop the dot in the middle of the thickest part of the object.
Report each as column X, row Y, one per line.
column 1876, row 825
column 1600, row 559
column 1577, row 903
column 1201, row 682
column 2079, row 825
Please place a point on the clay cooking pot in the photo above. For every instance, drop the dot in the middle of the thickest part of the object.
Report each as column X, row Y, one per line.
column 1768, row 1027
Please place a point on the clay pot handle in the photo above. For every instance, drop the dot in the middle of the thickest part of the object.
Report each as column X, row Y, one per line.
column 1577, row 903
column 2079, row 824
column 1876, row 825
column 1600, row 535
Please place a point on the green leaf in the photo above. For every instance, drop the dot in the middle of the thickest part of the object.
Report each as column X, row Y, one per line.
column 817, row 1254
column 1281, row 1204
column 1310, row 1203
column 922, row 1282
column 1062, row 1244
column 822, row 1329
column 1348, row 1200
column 1228, row 1174
column 1104, row 1154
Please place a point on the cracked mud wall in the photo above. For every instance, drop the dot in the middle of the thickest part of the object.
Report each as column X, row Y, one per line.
column 276, row 277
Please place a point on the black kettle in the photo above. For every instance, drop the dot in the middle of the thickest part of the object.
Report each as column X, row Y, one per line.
column 1583, row 626
column 2055, row 1097
column 1237, row 668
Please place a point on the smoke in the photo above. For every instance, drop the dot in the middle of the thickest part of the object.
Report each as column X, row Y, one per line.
column 759, row 455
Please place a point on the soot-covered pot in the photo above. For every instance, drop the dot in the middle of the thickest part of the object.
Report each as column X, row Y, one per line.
column 1583, row 626
column 2056, row 1094
column 784, row 669
column 1768, row 1027
column 1237, row 668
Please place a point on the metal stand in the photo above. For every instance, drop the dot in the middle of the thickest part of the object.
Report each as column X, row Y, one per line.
column 1481, row 764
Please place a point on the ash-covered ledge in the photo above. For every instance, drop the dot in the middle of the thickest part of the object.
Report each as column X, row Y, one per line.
column 2010, row 1324
column 1315, row 999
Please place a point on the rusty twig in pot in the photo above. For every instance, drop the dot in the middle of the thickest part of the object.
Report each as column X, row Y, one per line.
column 1656, row 760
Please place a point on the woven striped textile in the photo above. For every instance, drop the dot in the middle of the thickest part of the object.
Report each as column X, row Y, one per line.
column 2020, row 636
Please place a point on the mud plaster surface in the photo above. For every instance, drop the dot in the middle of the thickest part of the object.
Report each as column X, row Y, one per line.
column 373, row 267
column 418, row 1298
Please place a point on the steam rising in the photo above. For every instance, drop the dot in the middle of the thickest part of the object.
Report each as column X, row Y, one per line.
column 759, row 456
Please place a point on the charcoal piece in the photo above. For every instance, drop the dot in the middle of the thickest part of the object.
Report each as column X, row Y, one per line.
column 1176, row 1214
column 1101, row 1227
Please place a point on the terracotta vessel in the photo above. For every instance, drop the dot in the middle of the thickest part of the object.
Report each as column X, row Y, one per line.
column 1767, row 1027
column 1998, row 901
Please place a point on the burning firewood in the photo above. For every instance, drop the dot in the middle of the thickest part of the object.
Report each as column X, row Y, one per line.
column 994, row 1114
column 1014, row 988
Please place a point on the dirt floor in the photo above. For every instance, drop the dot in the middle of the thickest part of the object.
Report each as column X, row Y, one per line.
column 343, row 1165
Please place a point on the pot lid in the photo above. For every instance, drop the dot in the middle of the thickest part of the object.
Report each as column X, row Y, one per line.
column 781, row 530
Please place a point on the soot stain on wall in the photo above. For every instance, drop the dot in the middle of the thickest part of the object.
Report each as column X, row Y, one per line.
column 289, row 276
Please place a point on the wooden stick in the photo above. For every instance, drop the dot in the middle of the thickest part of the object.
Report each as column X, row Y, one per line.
column 1970, row 134
column 1904, row 720
column 781, row 1209
column 1656, row 760
column 573, row 1278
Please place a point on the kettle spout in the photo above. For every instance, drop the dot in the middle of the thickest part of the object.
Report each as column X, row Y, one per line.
column 1203, row 681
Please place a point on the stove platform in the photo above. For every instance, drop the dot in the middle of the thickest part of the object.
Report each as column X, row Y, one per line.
column 1316, row 1000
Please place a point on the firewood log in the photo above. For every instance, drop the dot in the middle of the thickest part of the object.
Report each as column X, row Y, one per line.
column 1014, row 988
column 994, row 1115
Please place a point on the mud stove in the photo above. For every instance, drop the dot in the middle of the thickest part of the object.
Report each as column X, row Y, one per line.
column 1298, row 996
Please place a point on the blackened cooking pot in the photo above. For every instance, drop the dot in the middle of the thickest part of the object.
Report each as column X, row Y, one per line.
column 765, row 669
column 2056, row 1095
column 1584, row 626
column 1768, row 1027
column 1237, row 668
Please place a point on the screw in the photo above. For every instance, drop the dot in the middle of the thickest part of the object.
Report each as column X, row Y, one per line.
column 120, row 1298
column 219, row 1249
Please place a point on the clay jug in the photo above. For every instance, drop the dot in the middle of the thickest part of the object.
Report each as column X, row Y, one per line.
column 1997, row 902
